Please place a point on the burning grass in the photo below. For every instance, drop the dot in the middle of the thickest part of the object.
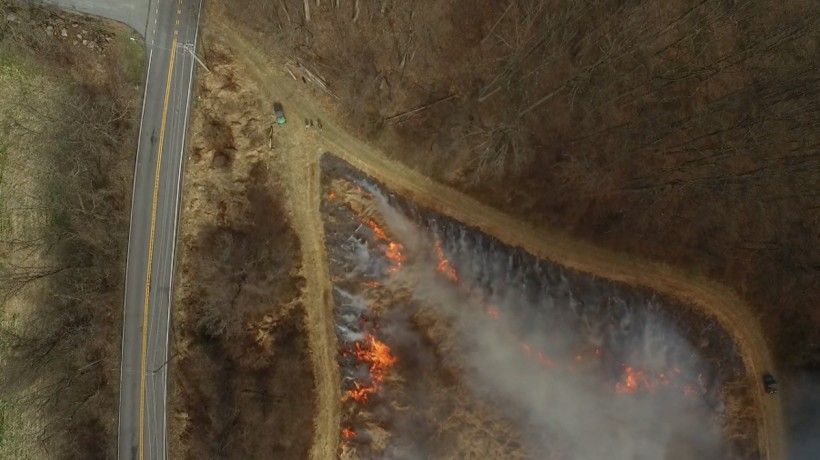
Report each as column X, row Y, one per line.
column 378, row 358
column 450, row 340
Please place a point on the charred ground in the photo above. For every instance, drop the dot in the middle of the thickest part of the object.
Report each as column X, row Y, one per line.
column 426, row 405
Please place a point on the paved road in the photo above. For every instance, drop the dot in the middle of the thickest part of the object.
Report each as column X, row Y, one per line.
column 171, row 27
column 132, row 12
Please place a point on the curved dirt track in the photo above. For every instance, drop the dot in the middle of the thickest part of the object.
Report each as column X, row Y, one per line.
column 710, row 297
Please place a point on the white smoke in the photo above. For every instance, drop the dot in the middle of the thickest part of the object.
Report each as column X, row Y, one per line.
column 570, row 408
column 803, row 411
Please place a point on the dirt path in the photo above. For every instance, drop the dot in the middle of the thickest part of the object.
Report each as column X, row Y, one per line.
column 297, row 157
column 711, row 297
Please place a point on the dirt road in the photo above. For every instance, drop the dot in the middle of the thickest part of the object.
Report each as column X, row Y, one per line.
column 299, row 169
column 708, row 296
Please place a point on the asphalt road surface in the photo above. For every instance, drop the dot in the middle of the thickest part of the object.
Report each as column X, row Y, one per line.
column 170, row 36
column 132, row 12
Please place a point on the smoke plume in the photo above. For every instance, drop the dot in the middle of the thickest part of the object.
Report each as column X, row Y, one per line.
column 588, row 375
column 552, row 363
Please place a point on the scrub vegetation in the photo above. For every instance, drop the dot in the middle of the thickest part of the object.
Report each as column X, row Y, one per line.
column 242, row 383
column 70, row 90
column 681, row 133
column 685, row 132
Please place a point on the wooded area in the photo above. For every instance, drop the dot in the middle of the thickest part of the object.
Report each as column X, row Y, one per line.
column 683, row 131
column 242, row 380
column 68, row 120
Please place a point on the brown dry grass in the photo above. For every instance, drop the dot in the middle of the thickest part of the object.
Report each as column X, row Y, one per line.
column 426, row 389
column 242, row 381
column 682, row 132
column 709, row 297
column 656, row 111
column 68, row 123
column 294, row 157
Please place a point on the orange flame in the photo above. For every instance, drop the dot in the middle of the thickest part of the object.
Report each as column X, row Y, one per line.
column 361, row 393
column 348, row 433
column 379, row 359
column 688, row 390
column 444, row 266
column 378, row 355
column 377, row 230
column 395, row 252
column 633, row 380
column 545, row 360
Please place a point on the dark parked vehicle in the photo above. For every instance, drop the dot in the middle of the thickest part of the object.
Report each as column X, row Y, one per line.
column 769, row 383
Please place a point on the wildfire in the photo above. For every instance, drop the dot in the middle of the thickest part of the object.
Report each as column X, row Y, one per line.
column 348, row 433
column 395, row 252
column 361, row 393
column 633, row 380
column 377, row 230
column 377, row 355
column 689, row 390
column 444, row 266
column 542, row 358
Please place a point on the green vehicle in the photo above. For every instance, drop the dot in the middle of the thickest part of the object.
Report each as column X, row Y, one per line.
column 279, row 113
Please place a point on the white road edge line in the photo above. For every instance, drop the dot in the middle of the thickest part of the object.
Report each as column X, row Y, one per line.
column 176, row 222
column 148, row 421
column 130, row 224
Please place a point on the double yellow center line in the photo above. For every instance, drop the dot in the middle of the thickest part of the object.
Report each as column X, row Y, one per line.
column 152, row 234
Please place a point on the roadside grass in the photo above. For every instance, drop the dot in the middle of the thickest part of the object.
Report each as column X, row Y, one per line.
column 8, row 61
column 4, row 218
column 18, row 424
column 28, row 207
column 29, row 98
column 131, row 52
column 68, row 124
column 14, row 431
column 17, row 63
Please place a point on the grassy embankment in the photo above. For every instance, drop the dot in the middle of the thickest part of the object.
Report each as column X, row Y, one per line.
column 69, row 107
